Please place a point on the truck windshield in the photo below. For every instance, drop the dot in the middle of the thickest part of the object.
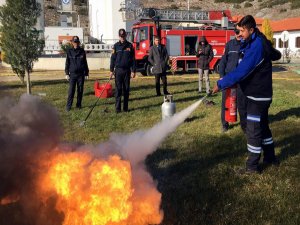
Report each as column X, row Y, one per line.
column 141, row 34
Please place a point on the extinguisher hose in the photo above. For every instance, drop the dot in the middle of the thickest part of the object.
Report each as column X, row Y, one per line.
column 206, row 96
column 91, row 110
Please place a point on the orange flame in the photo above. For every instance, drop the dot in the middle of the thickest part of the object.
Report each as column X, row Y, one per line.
column 91, row 191
column 9, row 199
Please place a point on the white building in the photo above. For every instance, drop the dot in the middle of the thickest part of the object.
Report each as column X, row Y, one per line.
column 55, row 36
column 292, row 25
column 106, row 19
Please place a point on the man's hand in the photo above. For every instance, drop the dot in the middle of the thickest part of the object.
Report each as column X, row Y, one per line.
column 133, row 74
column 111, row 74
column 67, row 77
column 86, row 77
column 215, row 89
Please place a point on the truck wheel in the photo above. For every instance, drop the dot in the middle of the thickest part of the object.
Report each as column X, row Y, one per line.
column 216, row 68
column 148, row 70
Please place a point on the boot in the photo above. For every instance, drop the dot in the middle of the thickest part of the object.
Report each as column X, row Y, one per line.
column 269, row 155
column 253, row 162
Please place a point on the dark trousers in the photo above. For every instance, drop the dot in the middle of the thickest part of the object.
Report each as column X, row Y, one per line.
column 259, row 136
column 73, row 82
column 242, row 108
column 163, row 77
column 122, row 82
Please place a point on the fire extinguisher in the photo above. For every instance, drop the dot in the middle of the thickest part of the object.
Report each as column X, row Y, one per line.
column 230, row 105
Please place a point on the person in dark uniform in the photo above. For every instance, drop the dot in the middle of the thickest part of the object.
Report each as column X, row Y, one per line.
column 254, row 74
column 159, row 57
column 122, row 65
column 76, row 70
column 228, row 63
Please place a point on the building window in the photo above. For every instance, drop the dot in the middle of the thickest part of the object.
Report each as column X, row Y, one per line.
column 274, row 42
column 297, row 42
column 283, row 45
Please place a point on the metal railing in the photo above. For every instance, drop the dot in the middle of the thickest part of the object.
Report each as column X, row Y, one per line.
column 54, row 47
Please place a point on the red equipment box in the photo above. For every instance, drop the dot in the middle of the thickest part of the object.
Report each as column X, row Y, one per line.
column 103, row 90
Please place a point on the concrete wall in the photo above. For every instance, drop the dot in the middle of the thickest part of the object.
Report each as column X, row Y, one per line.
column 59, row 64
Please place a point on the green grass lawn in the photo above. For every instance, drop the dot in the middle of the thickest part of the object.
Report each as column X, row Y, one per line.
column 194, row 166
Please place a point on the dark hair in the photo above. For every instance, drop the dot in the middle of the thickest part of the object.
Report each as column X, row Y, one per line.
column 122, row 32
column 156, row 37
column 75, row 39
column 248, row 22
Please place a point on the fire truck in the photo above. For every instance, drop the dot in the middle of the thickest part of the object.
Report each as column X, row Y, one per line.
column 180, row 31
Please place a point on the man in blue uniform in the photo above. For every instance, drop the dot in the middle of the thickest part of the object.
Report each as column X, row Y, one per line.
column 76, row 71
column 254, row 74
column 122, row 65
column 228, row 63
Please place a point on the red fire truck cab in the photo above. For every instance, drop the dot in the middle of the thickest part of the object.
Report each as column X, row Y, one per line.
column 181, row 42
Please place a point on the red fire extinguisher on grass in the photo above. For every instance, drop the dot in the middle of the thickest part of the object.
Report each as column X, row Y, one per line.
column 230, row 105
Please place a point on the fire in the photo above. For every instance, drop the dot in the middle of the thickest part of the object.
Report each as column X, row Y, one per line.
column 93, row 191
column 9, row 199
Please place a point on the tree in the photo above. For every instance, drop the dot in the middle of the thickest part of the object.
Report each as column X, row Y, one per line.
column 19, row 39
column 267, row 30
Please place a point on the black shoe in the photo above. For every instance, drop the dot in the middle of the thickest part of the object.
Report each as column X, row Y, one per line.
column 126, row 110
column 118, row 111
column 247, row 171
column 158, row 94
column 273, row 162
column 166, row 93
column 68, row 109
column 78, row 107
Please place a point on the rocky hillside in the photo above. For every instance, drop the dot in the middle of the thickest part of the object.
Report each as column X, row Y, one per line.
column 271, row 9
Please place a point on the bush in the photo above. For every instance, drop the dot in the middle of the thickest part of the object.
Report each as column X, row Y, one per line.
column 295, row 4
column 248, row 4
column 82, row 11
column 65, row 46
column 230, row 1
column 237, row 6
column 51, row 7
column 173, row 6
column 2, row 56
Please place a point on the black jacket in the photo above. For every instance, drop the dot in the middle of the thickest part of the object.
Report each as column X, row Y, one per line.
column 76, row 64
column 230, row 59
column 158, row 59
column 122, row 56
column 205, row 54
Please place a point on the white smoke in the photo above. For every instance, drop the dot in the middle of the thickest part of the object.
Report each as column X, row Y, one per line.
column 136, row 146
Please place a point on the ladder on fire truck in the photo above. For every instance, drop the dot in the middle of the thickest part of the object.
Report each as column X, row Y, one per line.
column 133, row 11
